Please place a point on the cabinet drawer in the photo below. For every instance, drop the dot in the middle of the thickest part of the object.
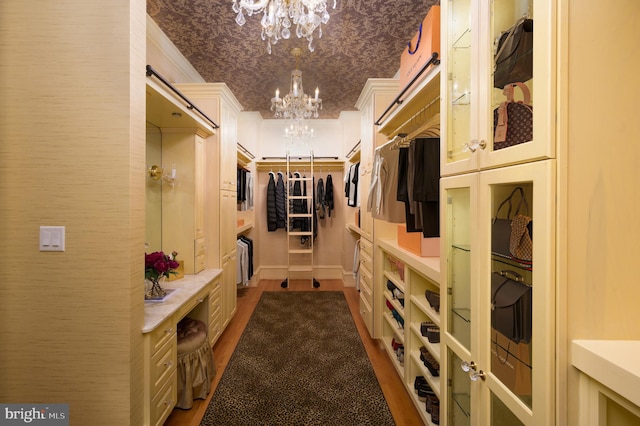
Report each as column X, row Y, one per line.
column 366, row 289
column 366, row 260
column 163, row 364
column 215, row 326
column 366, row 247
column 199, row 247
column 161, row 335
column 164, row 401
column 193, row 302
column 367, row 314
column 216, row 290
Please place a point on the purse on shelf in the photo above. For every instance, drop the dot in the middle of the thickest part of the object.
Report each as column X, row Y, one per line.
column 511, row 235
column 513, row 121
column 511, row 306
column 514, row 54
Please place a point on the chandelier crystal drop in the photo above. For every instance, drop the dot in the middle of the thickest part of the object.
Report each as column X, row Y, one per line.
column 296, row 104
column 280, row 15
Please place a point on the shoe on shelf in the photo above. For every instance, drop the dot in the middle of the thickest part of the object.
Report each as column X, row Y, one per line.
column 430, row 362
column 433, row 334
column 435, row 412
column 419, row 381
column 424, row 327
column 431, row 400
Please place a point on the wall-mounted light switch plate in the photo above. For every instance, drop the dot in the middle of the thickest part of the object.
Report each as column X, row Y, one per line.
column 52, row 238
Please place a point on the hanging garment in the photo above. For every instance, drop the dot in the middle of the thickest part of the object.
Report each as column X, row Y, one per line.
column 328, row 194
column 249, row 242
column 426, row 184
column 347, row 180
column 296, row 205
column 356, row 264
column 271, row 204
column 414, row 207
column 319, row 199
column 383, row 193
column 306, row 224
column 403, row 192
column 353, row 186
column 242, row 262
column 281, row 209
column 249, row 191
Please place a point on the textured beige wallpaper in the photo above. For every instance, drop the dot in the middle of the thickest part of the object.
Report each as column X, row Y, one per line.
column 72, row 154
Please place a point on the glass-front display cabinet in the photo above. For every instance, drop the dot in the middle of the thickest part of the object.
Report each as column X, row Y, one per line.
column 490, row 62
column 498, row 326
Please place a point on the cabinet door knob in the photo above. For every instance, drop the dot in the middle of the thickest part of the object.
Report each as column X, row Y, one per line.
column 474, row 144
column 468, row 366
column 477, row 375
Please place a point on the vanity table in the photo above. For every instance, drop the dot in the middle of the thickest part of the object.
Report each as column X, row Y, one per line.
column 195, row 296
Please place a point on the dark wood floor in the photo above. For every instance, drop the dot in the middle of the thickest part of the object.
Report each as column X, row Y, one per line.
column 403, row 410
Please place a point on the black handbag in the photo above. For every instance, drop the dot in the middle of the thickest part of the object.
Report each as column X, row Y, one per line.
column 503, row 243
column 514, row 55
column 511, row 303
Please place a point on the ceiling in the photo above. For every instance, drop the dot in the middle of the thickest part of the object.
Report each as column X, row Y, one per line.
column 363, row 39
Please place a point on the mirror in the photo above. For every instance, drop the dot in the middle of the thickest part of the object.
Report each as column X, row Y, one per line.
column 153, row 191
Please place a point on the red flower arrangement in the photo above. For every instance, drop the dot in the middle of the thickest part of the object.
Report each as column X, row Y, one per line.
column 158, row 264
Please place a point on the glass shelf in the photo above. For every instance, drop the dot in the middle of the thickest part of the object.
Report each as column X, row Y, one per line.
column 463, row 247
column 463, row 402
column 462, row 313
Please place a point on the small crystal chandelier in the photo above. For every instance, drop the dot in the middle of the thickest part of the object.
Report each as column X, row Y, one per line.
column 296, row 104
column 278, row 16
column 298, row 131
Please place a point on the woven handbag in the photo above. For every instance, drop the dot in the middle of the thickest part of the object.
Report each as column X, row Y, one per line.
column 511, row 234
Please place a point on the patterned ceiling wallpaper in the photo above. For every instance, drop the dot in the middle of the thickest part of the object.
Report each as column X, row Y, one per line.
column 363, row 39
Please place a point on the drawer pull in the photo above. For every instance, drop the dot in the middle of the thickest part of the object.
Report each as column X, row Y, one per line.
column 168, row 403
column 168, row 363
column 169, row 330
column 200, row 299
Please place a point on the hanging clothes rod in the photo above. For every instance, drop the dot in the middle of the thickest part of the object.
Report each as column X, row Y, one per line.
column 245, row 151
column 299, row 157
column 190, row 105
column 393, row 142
column 354, row 149
column 397, row 101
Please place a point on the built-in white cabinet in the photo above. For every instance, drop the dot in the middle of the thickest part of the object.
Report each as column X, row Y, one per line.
column 491, row 379
column 160, row 388
column 220, row 178
column 376, row 95
column 183, row 208
column 470, row 33
column 410, row 321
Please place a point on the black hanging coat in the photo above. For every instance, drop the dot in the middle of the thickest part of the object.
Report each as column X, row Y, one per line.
column 271, row 204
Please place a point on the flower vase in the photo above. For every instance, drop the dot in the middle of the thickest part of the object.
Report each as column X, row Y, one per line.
column 155, row 292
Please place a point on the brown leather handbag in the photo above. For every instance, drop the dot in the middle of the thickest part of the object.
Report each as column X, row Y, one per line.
column 514, row 55
column 513, row 121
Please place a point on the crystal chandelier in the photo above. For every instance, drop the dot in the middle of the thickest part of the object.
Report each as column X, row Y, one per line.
column 279, row 15
column 298, row 131
column 296, row 104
